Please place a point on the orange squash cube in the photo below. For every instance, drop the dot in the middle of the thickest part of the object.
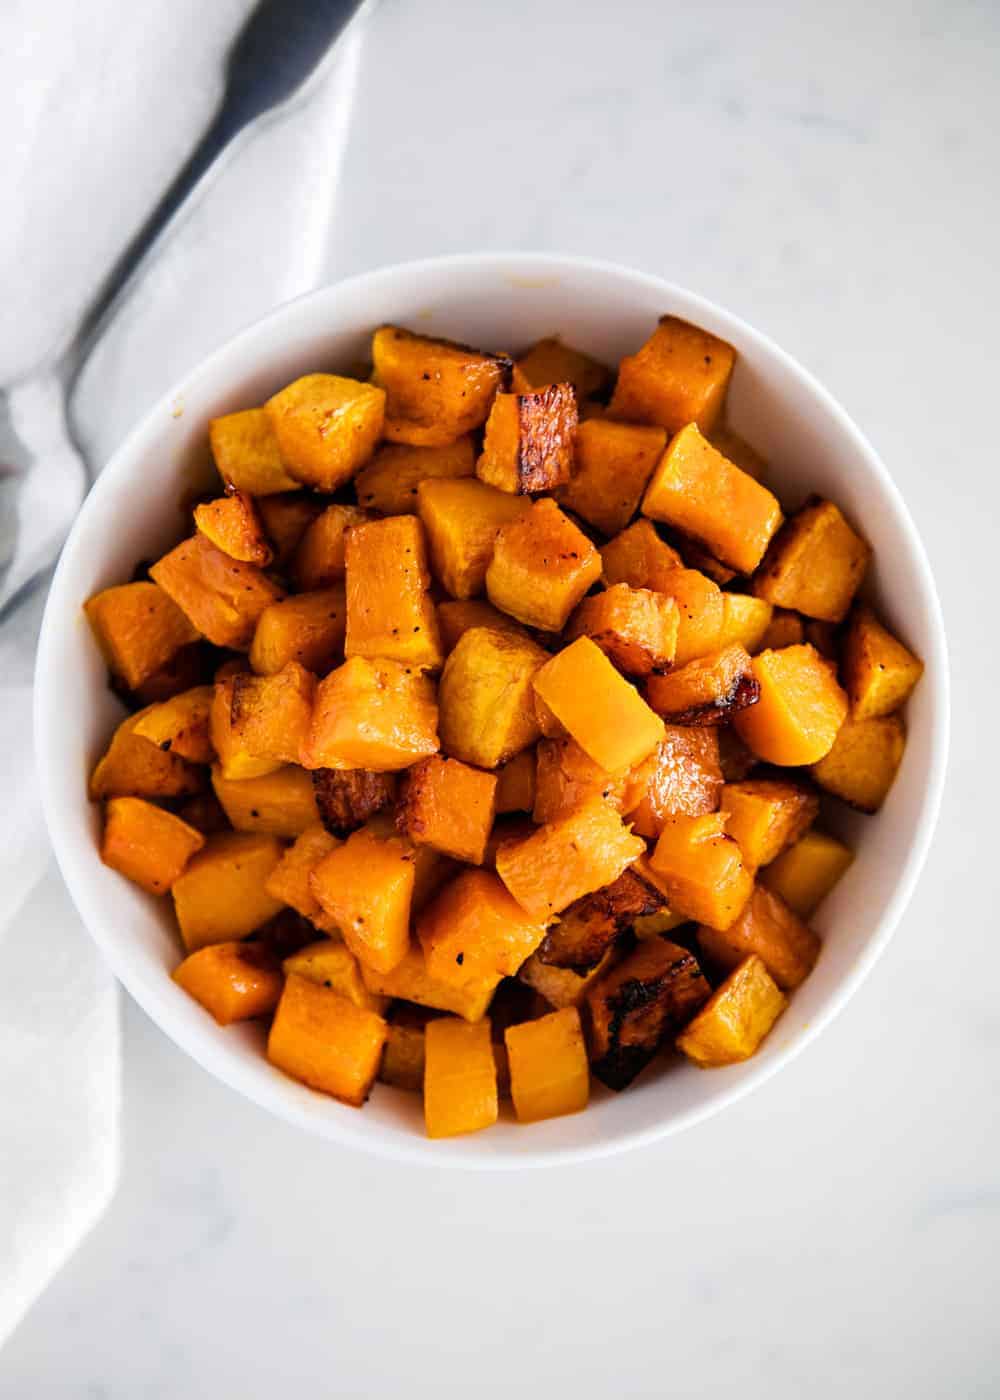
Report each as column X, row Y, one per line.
column 861, row 766
column 410, row 980
column 566, row 777
column 604, row 714
column 327, row 427
column 562, row 986
column 701, row 608
column 448, row 805
column 528, row 445
column 634, row 627
column 222, row 597
column 679, row 376
column 286, row 516
column 685, row 778
column 289, row 880
column 611, row 469
column 180, row 725
column 815, row 564
column 221, row 895
column 246, row 453
column 639, row 558
column 389, row 610
column 787, row 947
column 800, row 708
column 232, row 981
column 321, row 556
column 549, row 1074
column 308, row 629
column 697, row 490
column 566, row 859
column 542, row 566
column 515, row 790
column 805, row 874
column 280, row 803
column 549, row 361
column 388, row 484
column 460, row 1078
column 879, row 672
column 233, row 525
column 457, row 617
column 147, row 844
column 366, row 887
column 732, row 1024
column 745, row 621
column 138, row 628
column 436, row 390
column 487, row 714
column 701, row 869
column 378, row 715
column 473, row 930
column 785, row 629
column 462, row 519
column 133, row 767
column 271, row 715
column 235, row 762
column 330, row 963
column 764, row 816
column 324, row 1040
column 707, row 691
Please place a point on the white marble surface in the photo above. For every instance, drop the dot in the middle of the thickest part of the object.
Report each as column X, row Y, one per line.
column 830, row 173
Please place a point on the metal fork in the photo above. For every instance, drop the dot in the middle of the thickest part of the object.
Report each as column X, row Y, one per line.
column 44, row 473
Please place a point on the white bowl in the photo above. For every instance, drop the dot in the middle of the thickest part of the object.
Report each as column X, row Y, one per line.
column 501, row 301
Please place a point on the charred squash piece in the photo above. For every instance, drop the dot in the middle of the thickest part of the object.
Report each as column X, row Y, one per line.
column 324, row 1040
column 327, row 426
column 321, row 556
column 815, row 564
column 389, row 609
column 706, row 691
column 639, row 558
column 462, row 519
column 308, row 628
column 787, row 947
column 378, row 715
column 139, row 629
column 733, row 1022
column 679, row 376
column 587, row 928
column 800, row 709
column 634, row 627
column 542, row 566
column 436, row 390
column 222, row 597
column 247, row 454
column 349, row 797
column 388, row 484
column 611, row 469
column 448, row 805
column 232, row 524
column 233, row 981
column 879, row 672
column 528, row 445
column 685, row 777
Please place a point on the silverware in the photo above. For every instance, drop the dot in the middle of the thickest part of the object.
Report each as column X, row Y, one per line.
column 44, row 473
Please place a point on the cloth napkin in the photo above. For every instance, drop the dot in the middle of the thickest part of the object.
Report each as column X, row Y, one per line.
column 257, row 237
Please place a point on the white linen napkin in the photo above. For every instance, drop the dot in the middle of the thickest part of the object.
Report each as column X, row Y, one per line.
column 258, row 237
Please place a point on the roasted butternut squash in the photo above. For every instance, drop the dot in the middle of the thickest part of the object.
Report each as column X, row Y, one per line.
column 436, row 390
column 235, row 762
column 735, row 759
column 736, row 1018
column 308, row 629
column 473, row 930
column 289, row 880
column 707, row 691
column 286, row 516
column 462, row 519
column 805, row 874
column 685, row 777
column 515, row 790
column 270, row 715
column 233, row 981
column 861, row 766
column 460, row 1078
column 139, row 629
column 549, row 361
column 410, row 980
column 389, row 609
column 485, row 696
column 765, row 816
column 403, row 1060
column 542, row 566
column 366, row 887
column 133, row 767
column 679, row 376
column 701, row 869
column 349, row 797
column 222, row 597
column 634, row 627
column 785, row 629
column 455, row 618
column 378, row 715
column 388, row 484
column 327, row 427
column 528, row 445
column 799, row 710
column 180, row 725
column 448, row 805
column 549, row 1074
column 745, row 621
column 321, row 556
column 222, row 893
column 701, row 609
column 566, row 777
column 787, row 947
column 612, row 464
column 815, row 564
column 639, row 557
column 232, row 524
column 330, row 963
column 147, row 844
column 879, row 672
column 324, row 1040
column 247, row 454
column 280, row 803
column 589, row 927
column 562, row 986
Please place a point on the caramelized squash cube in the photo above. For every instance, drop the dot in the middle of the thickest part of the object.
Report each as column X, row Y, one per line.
column 787, row 947
column 473, row 930
column 685, row 778
column 139, row 629
column 456, row 617
column 679, row 376
column 566, row 859
column 235, row 762
column 639, row 558
column 321, row 556
column 271, row 715
column 701, row 609
column 765, row 816
column 549, row 361
column 366, row 887
column 815, row 564
column 515, row 790
column 611, row 469
column 707, row 691
column 697, row 490
column 735, row 1020
column 349, row 797
column 634, row 627
column 528, row 445
column 745, row 621
column 861, row 766
column 436, row 390
column 562, row 986
column 701, row 869
column 233, row 981
column 800, row 708
column 604, row 713
column 286, row 517
column 388, row 484
column 655, row 925
column 280, row 803
column 879, row 672
column 327, row 427
column 378, row 715
column 247, row 454
column 462, row 519
column 222, row 597
column 805, row 874
column 233, row 525
column 308, row 629
column 410, row 981
column 566, row 777
column 549, row 1074
column 147, row 844
column 389, row 610
column 448, row 805
column 289, row 880
column 133, row 767
column 180, row 725
column 330, row 963
column 487, row 714
column 222, row 893
column 460, row 1078
column 588, row 927
column 322, row 1039
column 542, row 566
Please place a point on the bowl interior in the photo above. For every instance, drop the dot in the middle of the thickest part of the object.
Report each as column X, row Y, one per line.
column 505, row 302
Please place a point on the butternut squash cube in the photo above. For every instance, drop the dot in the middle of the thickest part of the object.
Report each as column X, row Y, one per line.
column 515, row 790
column 805, row 874
column 639, row 558
column 566, row 777
column 549, row 1074
column 308, row 629
column 460, row 1078
column 745, row 621
column 280, row 803
column 566, row 859
column 785, row 629
column 271, row 715
column 562, row 986
column 634, row 627
column 321, row 556
column 473, row 930
column 462, row 519
column 701, row 609
column 697, row 490
column 410, row 981
column 604, row 714
column 815, row 564
column 331, row 964
column 286, row 516
column 404, row 1058
column 378, row 715
column 247, row 454
column 436, row 390
column 456, row 617
column 611, row 469
column 542, row 566
column 800, row 708
column 388, row 484
column 485, row 696
column 233, row 525
column 589, row 927
column 879, row 672
column 133, row 767
column 289, row 880
column 701, row 869
column 448, row 805
column 679, row 376
column 324, row 1040
column 528, row 444
column 787, row 947
column 222, row 893
column 764, row 816
column 389, row 610
column 349, row 797
column 233, row 981
column 549, row 361
column 732, row 1024
column 222, row 597
column 861, row 766
column 366, row 887
column 327, row 426
column 640, row 1003
column 685, row 778
column 147, row 844
column 707, row 691
column 235, row 762
column 138, row 628
column 180, row 725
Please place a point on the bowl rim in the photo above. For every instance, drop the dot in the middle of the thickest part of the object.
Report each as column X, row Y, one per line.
column 71, row 855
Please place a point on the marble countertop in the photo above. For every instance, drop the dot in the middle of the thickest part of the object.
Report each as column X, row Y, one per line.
column 830, row 174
